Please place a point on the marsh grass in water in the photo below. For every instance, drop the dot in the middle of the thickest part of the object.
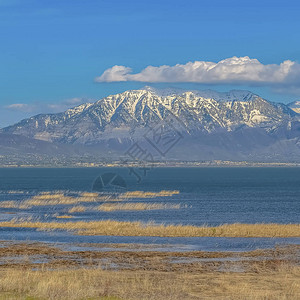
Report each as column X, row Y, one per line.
column 42, row 200
column 60, row 198
column 8, row 204
column 136, row 206
column 111, row 206
column 142, row 194
column 117, row 228
column 77, row 209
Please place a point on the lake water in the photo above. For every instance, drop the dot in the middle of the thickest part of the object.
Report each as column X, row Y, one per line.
column 210, row 196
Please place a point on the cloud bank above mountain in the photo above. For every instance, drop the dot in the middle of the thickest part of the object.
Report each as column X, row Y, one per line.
column 234, row 70
column 38, row 107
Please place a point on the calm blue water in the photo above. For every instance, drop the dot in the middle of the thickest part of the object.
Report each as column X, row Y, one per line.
column 211, row 196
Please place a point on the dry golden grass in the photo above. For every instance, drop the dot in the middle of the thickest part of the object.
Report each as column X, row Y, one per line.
column 283, row 284
column 141, row 194
column 87, row 194
column 64, row 217
column 8, row 204
column 51, row 199
column 15, row 192
column 136, row 206
column 59, row 198
column 270, row 274
column 56, row 199
column 117, row 228
column 76, row 209
column 47, row 196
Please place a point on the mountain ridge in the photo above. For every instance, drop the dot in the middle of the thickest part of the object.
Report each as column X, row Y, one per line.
column 123, row 119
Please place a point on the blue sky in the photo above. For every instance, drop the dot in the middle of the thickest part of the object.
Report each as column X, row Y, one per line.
column 51, row 51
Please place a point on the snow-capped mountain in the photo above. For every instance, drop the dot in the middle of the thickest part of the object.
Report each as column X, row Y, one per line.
column 122, row 114
column 237, row 120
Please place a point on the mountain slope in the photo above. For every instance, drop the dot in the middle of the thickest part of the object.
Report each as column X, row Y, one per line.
column 295, row 106
column 13, row 144
column 139, row 108
column 237, row 124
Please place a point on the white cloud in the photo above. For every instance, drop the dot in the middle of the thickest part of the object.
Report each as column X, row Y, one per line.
column 21, row 107
column 234, row 70
column 66, row 104
column 116, row 73
column 39, row 107
column 74, row 101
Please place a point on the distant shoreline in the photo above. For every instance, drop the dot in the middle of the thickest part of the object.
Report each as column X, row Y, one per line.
column 159, row 165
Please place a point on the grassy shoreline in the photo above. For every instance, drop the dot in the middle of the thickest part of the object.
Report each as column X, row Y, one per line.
column 117, row 228
column 271, row 274
column 99, row 284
